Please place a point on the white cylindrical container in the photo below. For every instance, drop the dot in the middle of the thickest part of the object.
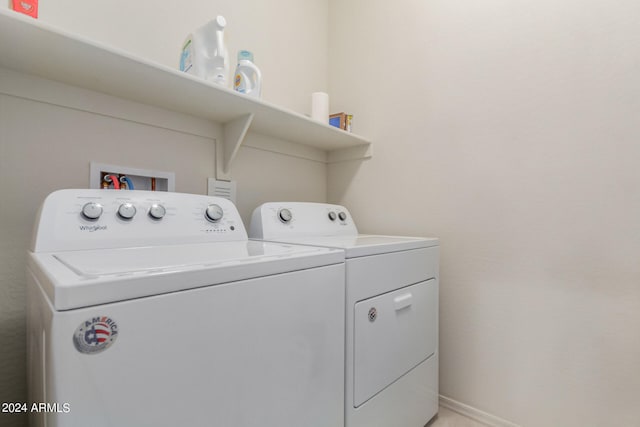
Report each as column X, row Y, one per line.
column 320, row 107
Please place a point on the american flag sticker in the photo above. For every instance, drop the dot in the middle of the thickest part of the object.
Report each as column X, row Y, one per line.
column 95, row 335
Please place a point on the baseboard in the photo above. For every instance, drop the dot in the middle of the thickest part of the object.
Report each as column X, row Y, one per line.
column 475, row 414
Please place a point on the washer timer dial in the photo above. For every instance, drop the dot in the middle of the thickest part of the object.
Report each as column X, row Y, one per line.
column 214, row 213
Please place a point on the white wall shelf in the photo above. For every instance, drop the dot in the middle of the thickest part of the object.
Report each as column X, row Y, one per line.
column 35, row 48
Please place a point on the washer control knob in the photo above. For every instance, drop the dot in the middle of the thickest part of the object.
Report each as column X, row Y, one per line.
column 157, row 211
column 214, row 213
column 126, row 211
column 284, row 215
column 92, row 211
column 332, row 216
column 342, row 216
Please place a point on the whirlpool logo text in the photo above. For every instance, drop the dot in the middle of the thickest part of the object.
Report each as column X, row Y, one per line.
column 92, row 228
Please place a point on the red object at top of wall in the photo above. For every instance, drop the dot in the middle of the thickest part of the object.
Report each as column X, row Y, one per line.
column 28, row 7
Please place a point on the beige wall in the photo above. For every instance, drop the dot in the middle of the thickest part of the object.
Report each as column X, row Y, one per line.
column 50, row 132
column 510, row 130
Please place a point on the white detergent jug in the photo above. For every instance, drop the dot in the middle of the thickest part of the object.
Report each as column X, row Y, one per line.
column 204, row 53
column 248, row 79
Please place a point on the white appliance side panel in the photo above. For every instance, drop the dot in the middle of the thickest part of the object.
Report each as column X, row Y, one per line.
column 265, row 352
column 409, row 402
column 394, row 333
column 39, row 316
column 374, row 275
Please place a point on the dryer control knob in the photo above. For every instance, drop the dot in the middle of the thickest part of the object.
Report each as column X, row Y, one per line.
column 332, row 216
column 92, row 210
column 126, row 211
column 342, row 216
column 214, row 213
column 157, row 211
column 285, row 215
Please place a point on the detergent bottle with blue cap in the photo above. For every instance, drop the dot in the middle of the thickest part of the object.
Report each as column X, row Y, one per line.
column 248, row 79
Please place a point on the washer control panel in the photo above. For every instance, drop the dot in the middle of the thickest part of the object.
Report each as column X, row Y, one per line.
column 95, row 219
column 281, row 219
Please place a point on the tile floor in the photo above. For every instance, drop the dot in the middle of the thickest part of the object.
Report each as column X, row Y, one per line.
column 448, row 418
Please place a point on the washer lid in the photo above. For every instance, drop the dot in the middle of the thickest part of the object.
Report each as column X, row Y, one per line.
column 364, row 244
column 75, row 279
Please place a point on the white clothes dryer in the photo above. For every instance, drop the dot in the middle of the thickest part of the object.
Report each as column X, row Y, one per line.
column 154, row 309
column 391, row 364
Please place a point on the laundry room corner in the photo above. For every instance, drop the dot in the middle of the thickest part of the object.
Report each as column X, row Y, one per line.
column 506, row 156
column 509, row 130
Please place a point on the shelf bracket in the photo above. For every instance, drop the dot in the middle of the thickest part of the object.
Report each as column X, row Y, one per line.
column 360, row 152
column 234, row 132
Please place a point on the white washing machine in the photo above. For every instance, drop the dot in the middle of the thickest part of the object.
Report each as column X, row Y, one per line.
column 391, row 311
column 154, row 309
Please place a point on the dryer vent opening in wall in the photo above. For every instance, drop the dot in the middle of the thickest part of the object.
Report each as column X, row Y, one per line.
column 225, row 189
column 102, row 175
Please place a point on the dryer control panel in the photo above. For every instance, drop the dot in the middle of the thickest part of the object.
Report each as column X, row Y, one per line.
column 295, row 219
column 99, row 219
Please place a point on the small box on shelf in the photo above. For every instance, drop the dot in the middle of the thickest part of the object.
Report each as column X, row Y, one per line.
column 341, row 121
column 28, row 7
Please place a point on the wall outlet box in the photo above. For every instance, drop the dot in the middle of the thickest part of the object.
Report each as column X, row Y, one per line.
column 141, row 179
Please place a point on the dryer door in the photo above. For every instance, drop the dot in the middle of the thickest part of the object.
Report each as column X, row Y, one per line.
column 394, row 333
